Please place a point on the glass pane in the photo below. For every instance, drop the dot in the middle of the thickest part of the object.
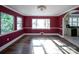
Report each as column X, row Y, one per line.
column 78, row 23
column 70, row 19
column 47, row 24
column 74, row 19
column 34, row 23
column 40, row 23
column 19, row 23
column 78, row 19
column 6, row 23
column 74, row 24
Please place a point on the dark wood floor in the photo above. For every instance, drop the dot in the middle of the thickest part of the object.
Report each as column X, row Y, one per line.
column 41, row 45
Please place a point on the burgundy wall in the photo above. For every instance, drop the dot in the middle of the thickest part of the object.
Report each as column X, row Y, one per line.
column 11, row 36
column 60, row 19
column 54, row 24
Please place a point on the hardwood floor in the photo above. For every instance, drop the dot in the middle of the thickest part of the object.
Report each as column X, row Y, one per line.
column 41, row 45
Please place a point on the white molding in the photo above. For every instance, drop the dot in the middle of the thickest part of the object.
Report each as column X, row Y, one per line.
column 42, row 34
column 11, row 42
column 45, row 29
column 32, row 33
column 60, row 35
column 13, row 10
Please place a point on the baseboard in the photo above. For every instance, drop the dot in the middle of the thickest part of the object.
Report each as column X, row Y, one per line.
column 32, row 34
column 60, row 35
column 11, row 42
column 44, row 34
column 40, row 34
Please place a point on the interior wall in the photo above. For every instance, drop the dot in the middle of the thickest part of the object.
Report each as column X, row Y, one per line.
column 55, row 25
column 60, row 24
column 11, row 36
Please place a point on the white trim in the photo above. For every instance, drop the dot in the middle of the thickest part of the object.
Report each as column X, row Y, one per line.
column 40, row 33
column 63, row 25
column 13, row 10
column 47, row 29
column 11, row 42
column 10, row 32
column 32, row 34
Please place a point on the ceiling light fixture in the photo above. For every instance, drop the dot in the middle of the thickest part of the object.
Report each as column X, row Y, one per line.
column 41, row 7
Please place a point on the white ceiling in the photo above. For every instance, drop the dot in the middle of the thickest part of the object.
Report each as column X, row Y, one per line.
column 32, row 10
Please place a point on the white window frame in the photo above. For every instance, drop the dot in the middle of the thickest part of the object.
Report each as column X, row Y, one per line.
column 72, row 22
column 19, row 23
column 44, row 21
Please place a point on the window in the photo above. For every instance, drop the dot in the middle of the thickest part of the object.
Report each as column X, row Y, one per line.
column 7, row 23
column 74, row 21
column 19, row 23
column 40, row 23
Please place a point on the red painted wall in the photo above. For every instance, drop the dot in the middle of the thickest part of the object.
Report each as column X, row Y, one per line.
column 11, row 36
column 60, row 19
column 54, row 24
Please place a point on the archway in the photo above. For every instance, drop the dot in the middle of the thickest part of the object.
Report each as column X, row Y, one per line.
column 65, row 23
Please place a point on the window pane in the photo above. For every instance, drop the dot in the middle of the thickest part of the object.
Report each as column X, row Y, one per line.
column 40, row 23
column 70, row 21
column 47, row 24
column 19, row 23
column 34, row 23
column 78, row 24
column 74, row 24
column 75, row 19
column 6, row 23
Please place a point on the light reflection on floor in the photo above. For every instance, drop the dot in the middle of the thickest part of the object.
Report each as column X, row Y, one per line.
column 51, row 46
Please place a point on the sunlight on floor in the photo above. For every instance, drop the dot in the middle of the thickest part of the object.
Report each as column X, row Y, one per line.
column 50, row 47
column 45, row 45
column 38, row 50
column 36, row 42
column 54, row 46
column 59, row 42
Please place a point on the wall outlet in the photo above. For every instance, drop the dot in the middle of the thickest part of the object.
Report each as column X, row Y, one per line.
column 42, row 33
column 7, row 39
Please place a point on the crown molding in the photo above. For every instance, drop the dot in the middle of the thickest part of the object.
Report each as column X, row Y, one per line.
column 13, row 10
